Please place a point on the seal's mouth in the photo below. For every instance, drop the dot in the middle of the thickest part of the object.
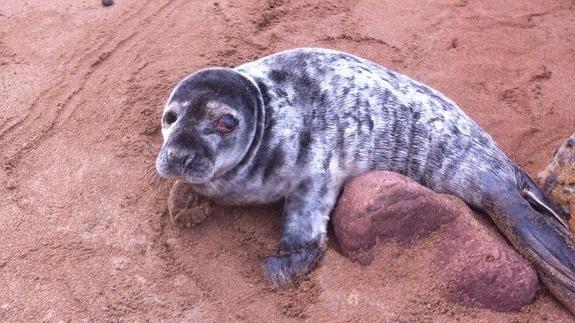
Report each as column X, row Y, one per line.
column 197, row 170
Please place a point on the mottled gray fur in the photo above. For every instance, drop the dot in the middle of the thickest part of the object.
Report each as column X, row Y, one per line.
column 319, row 117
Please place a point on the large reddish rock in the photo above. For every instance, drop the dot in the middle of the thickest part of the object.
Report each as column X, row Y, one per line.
column 471, row 263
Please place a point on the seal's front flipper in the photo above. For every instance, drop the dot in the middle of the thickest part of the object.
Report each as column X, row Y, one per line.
column 543, row 240
column 305, row 216
column 287, row 266
column 538, row 199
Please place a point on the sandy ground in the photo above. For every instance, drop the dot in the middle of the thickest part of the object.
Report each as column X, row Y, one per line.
column 85, row 236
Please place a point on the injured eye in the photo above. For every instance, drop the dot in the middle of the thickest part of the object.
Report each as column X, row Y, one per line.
column 226, row 123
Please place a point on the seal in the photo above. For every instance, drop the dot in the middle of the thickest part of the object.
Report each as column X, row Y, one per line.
column 297, row 124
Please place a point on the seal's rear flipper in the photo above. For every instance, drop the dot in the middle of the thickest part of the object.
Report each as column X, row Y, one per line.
column 543, row 240
column 562, row 292
column 537, row 198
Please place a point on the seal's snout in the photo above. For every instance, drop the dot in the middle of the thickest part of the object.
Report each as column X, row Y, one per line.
column 173, row 162
column 178, row 159
column 174, row 157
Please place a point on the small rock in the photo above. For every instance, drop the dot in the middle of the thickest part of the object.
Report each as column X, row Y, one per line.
column 558, row 179
column 471, row 264
column 11, row 184
column 454, row 43
column 543, row 73
column 120, row 262
column 181, row 280
column 107, row 3
column 171, row 242
column 187, row 209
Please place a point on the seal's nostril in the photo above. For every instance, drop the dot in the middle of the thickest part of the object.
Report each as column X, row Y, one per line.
column 170, row 155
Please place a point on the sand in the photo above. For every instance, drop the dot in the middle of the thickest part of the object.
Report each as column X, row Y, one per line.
column 86, row 235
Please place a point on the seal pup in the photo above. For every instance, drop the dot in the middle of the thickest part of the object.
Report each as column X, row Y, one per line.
column 296, row 124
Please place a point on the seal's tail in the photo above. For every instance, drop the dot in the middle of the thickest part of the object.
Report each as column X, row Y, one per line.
column 538, row 230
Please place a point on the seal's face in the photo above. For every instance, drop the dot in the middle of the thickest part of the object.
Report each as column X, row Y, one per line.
column 208, row 125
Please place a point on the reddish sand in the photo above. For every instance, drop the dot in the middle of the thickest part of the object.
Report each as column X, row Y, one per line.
column 86, row 236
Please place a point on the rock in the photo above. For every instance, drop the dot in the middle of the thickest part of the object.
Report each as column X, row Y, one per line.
column 385, row 206
column 107, row 3
column 558, row 179
column 11, row 184
column 482, row 269
column 471, row 263
column 187, row 209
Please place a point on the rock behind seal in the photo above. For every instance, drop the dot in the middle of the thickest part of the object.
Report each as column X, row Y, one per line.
column 558, row 179
column 472, row 264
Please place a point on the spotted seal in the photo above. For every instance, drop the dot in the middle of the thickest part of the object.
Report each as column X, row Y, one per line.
column 297, row 124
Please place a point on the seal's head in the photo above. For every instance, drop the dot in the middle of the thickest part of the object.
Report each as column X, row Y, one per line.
column 208, row 125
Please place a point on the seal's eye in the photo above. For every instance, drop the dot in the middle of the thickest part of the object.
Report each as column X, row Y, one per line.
column 170, row 117
column 226, row 123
